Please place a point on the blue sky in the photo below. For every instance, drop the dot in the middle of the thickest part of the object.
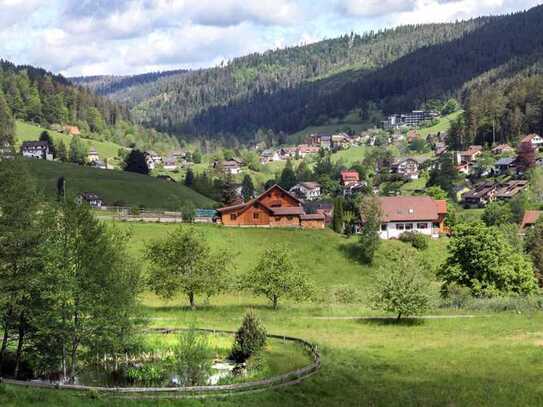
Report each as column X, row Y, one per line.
column 84, row 37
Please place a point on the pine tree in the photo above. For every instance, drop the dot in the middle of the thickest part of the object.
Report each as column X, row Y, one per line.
column 7, row 123
column 337, row 220
column 135, row 162
column 288, row 177
column 189, row 178
column 247, row 188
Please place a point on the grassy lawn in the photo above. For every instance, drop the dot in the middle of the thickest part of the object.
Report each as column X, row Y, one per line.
column 113, row 186
column 443, row 125
column 493, row 359
column 30, row 132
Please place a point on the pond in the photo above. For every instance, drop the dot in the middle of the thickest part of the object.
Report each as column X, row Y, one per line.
column 158, row 368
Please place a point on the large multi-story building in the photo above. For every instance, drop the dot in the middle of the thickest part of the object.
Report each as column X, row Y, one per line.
column 413, row 119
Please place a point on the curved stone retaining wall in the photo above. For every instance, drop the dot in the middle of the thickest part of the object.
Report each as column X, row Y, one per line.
column 289, row 378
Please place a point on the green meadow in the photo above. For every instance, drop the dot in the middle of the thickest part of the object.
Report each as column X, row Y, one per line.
column 453, row 358
column 128, row 189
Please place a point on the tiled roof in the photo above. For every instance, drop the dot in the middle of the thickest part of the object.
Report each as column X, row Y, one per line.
column 530, row 218
column 406, row 208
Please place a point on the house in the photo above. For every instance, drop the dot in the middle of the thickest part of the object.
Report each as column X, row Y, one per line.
column 463, row 168
column 269, row 156
column 480, row 195
column 420, row 214
column 355, row 188
column 288, row 153
column 232, row 167
column 534, row 139
column 206, row 216
column 304, row 150
column 92, row 155
column 471, row 154
column 440, row 149
column 99, row 164
column 511, row 189
column 307, row 191
column 170, row 164
column 408, row 168
column 504, row 164
column 503, row 149
column 340, row 140
column 36, row 149
column 7, row 152
column 152, row 159
column 71, row 130
column 319, row 207
column 273, row 208
column 321, row 140
column 349, row 178
column 90, row 198
column 530, row 219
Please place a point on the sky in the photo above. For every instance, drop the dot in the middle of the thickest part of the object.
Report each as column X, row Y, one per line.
column 120, row 37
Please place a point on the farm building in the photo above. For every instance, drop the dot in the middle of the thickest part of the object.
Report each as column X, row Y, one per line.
column 274, row 208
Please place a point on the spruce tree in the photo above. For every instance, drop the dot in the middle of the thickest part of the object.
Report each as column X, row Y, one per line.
column 288, row 177
column 337, row 220
column 247, row 188
column 7, row 123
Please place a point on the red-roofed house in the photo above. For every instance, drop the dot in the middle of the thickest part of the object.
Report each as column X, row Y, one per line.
column 534, row 139
column 530, row 219
column 349, row 178
column 274, row 208
column 420, row 214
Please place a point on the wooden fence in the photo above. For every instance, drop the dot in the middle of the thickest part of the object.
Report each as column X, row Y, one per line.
column 286, row 379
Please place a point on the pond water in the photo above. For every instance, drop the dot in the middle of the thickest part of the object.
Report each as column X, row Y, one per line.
column 151, row 375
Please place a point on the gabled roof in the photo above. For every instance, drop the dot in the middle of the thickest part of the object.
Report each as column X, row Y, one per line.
column 411, row 208
column 34, row 144
column 243, row 207
column 90, row 196
column 531, row 218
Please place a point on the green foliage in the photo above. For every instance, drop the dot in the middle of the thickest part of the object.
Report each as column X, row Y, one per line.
column 369, row 241
column 451, row 106
column 288, row 177
column 250, row 338
column 497, row 214
column 7, row 122
column 436, row 192
column 402, row 287
column 415, row 239
column 337, row 220
column 534, row 247
column 276, row 275
column 247, row 188
column 193, row 358
column 146, row 375
column 189, row 178
column 183, row 262
column 78, row 151
column 444, row 174
column 481, row 259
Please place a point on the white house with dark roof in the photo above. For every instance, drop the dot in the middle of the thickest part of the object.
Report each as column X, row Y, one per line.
column 308, row 191
column 36, row 149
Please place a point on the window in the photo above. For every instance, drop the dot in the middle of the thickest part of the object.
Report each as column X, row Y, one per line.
column 384, row 227
column 290, row 217
column 255, row 215
column 422, row 226
column 400, row 226
column 278, row 218
column 409, row 226
column 436, row 225
column 233, row 216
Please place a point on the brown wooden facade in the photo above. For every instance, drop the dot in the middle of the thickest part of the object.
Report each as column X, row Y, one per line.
column 274, row 208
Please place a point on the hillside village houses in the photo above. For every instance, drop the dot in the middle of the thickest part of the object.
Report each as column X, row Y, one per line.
column 408, row 168
column 71, row 130
column 268, row 156
column 419, row 214
column 93, row 155
column 36, row 149
column 307, row 191
column 152, row 159
column 170, row 164
column 91, row 199
column 490, row 191
column 273, row 208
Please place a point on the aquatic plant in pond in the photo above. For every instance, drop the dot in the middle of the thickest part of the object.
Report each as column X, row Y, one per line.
column 193, row 358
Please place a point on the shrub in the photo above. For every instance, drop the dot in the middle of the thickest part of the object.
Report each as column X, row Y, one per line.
column 417, row 240
column 456, row 296
column 346, row 295
column 148, row 375
column 193, row 358
column 250, row 339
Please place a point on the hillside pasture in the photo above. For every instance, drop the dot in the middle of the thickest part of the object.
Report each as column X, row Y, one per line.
column 114, row 187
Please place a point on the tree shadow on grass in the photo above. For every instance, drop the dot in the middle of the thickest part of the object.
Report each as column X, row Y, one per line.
column 391, row 321
column 351, row 251
column 230, row 308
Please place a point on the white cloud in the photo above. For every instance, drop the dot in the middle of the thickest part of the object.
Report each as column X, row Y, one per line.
column 374, row 8
column 13, row 11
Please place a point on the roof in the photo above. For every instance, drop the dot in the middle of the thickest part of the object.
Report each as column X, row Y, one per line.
column 257, row 200
column 310, row 185
column 511, row 189
column 411, row 208
column 288, row 210
column 205, row 213
column 352, row 175
column 313, row 216
column 90, row 196
column 505, row 161
column 34, row 144
column 529, row 138
column 530, row 218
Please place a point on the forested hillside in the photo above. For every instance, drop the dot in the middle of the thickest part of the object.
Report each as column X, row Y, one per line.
column 34, row 95
column 389, row 71
column 188, row 102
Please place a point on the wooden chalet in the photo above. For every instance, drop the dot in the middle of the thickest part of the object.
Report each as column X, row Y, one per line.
column 274, row 208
